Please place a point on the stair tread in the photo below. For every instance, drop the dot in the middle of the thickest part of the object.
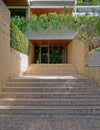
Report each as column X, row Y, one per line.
column 48, row 107
column 49, row 87
column 50, row 92
column 47, row 99
column 49, row 81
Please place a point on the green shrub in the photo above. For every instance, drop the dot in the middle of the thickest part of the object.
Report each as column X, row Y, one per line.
column 88, row 2
column 97, row 49
column 54, row 20
column 20, row 22
column 18, row 40
column 34, row 22
column 89, row 25
column 43, row 21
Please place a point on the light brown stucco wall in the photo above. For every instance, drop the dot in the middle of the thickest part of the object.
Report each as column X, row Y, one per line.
column 31, row 54
column 78, row 55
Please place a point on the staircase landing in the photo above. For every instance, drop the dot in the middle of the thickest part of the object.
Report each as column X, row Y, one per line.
column 50, row 69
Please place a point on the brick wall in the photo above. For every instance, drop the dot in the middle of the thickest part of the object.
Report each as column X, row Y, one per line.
column 11, row 62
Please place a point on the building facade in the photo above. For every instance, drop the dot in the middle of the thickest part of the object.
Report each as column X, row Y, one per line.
column 54, row 46
column 50, row 46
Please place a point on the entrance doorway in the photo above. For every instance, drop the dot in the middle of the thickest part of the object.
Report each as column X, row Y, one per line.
column 51, row 54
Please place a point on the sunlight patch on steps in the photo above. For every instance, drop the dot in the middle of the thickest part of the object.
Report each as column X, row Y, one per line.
column 49, row 77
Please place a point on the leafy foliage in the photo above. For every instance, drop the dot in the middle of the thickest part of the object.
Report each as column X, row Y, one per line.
column 43, row 21
column 97, row 49
column 89, row 25
column 18, row 40
column 34, row 22
column 20, row 22
column 54, row 20
column 88, row 2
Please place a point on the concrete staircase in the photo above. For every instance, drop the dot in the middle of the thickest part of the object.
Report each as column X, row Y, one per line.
column 62, row 95
column 50, row 69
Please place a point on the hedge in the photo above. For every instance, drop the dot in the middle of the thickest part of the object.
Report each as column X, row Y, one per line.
column 18, row 40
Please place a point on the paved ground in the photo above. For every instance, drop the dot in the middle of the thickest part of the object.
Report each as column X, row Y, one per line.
column 37, row 122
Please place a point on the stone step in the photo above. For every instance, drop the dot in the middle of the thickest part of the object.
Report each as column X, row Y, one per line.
column 51, row 110
column 49, row 102
column 51, row 89
column 36, row 84
column 68, row 95
column 50, row 73
column 51, row 79
column 50, row 84
column 61, row 95
column 35, row 80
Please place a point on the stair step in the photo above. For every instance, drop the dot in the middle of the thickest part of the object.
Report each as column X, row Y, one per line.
column 32, row 84
column 51, row 79
column 41, row 79
column 51, row 89
column 68, row 95
column 49, row 102
column 50, row 95
column 53, row 110
column 50, row 84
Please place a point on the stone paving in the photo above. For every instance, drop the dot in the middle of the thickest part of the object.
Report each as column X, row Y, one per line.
column 48, row 122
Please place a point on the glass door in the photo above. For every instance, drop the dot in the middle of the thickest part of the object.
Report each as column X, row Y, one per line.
column 57, row 54
column 50, row 54
column 44, row 54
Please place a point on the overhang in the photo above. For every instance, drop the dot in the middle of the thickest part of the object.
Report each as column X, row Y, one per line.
column 52, row 3
column 61, row 34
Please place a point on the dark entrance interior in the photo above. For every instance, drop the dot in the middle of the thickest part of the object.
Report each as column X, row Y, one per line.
column 52, row 54
column 44, row 55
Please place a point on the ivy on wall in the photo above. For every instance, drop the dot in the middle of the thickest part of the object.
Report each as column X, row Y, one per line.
column 18, row 40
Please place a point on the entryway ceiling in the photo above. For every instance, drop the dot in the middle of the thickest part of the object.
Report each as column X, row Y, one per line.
column 40, row 11
column 51, row 42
